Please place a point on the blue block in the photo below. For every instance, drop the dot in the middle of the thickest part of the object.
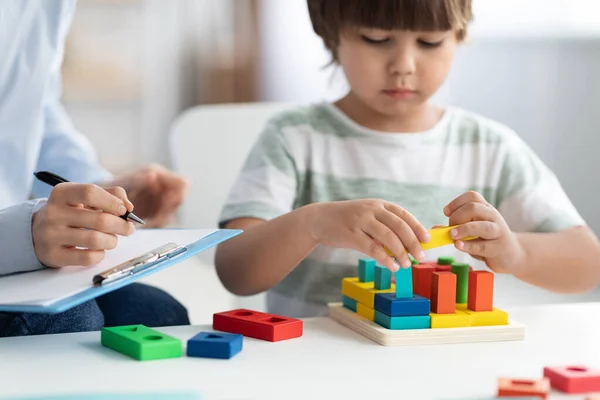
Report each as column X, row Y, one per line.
column 366, row 270
column 349, row 303
column 402, row 323
column 383, row 278
column 388, row 304
column 404, row 283
column 214, row 345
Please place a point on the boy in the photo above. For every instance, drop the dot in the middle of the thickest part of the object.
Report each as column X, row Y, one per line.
column 328, row 182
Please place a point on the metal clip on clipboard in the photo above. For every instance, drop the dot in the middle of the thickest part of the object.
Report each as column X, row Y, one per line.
column 138, row 264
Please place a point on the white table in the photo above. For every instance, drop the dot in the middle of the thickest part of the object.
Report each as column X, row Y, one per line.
column 329, row 361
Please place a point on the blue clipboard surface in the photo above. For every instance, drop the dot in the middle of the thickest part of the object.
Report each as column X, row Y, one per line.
column 95, row 291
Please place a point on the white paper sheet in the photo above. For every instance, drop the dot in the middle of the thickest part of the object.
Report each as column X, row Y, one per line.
column 49, row 285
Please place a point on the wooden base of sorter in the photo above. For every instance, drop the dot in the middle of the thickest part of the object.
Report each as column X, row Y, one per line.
column 387, row 337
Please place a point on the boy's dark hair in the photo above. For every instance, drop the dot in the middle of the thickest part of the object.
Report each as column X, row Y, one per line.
column 329, row 17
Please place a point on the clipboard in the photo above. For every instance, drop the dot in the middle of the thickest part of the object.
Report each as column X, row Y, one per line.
column 52, row 291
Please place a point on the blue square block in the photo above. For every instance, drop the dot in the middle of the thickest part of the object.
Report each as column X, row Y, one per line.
column 404, row 283
column 366, row 270
column 383, row 278
column 388, row 304
column 402, row 323
column 214, row 345
column 349, row 303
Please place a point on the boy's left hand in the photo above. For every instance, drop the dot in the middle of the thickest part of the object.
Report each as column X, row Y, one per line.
column 496, row 244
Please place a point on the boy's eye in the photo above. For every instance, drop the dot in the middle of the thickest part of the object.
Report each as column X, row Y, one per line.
column 375, row 41
column 428, row 45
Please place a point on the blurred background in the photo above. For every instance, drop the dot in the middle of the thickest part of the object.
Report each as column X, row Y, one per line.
column 132, row 67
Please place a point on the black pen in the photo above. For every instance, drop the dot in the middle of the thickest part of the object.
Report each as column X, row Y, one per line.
column 53, row 180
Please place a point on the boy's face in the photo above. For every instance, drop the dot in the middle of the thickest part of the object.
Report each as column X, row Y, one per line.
column 394, row 72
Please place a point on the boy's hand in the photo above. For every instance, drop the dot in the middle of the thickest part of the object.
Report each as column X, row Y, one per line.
column 367, row 225
column 496, row 245
column 70, row 229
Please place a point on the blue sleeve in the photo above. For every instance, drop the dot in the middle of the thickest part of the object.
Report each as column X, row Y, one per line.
column 64, row 151
column 16, row 242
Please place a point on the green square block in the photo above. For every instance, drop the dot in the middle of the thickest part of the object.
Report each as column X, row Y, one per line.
column 141, row 342
column 462, row 281
column 445, row 260
column 403, row 323
column 366, row 269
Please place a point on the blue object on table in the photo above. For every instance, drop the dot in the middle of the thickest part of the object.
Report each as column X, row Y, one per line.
column 214, row 345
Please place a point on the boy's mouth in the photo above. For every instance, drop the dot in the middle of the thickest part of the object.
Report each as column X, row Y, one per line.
column 399, row 93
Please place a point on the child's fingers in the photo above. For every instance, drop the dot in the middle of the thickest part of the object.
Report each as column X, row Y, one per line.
column 388, row 238
column 481, row 229
column 372, row 248
column 472, row 212
column 404, row 232
column 413, row 223
column 468, row 197
column 476, row 247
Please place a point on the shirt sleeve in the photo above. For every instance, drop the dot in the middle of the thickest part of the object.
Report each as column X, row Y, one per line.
column 64, row 150
column 531, row 198
column 267, row 184
column 16, row 242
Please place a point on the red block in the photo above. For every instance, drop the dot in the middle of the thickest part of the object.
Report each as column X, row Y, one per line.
column 443, row 268
column 422, row 274
column 443, row 293
column 573, row 379
column 259, row 325
column 481, row 291
column 523, row 387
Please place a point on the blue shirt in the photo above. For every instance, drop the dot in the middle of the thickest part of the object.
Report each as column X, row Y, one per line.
column 35, row 131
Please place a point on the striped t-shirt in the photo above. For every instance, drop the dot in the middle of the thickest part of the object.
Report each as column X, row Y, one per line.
column 317, row 154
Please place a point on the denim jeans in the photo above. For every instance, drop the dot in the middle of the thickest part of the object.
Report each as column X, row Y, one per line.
column 132, row 304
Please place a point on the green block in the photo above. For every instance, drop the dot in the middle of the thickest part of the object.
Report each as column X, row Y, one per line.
column 349, row 303
column 404, row 283
column 462, row 281
column 445, row 260
column 141, row 342
column 366, row 269
column 383, row 278
column 413, row 261
column 403, row 323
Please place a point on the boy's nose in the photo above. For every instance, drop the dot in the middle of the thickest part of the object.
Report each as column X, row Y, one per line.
column 402, row 63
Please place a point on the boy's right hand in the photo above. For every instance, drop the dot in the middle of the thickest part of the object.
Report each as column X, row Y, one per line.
column 78, row 223
column 366, row 225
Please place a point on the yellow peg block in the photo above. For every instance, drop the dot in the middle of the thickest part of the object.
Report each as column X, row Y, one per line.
column 363, row 292
column 460, row 319
column 365, row 311
column 488, row 318
column 439, row 237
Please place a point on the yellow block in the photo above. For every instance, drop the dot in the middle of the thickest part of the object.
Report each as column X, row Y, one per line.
column 462, row 306
column 363, row 292
column 365, row 311
column 439, row 237
column 458, row 320
column 488, row 318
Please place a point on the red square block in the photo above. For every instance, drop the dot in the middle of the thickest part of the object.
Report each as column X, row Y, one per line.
column 443, row 268
column 573, row 378
column 258, row 325
column 422, row 274
column 523, row 387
